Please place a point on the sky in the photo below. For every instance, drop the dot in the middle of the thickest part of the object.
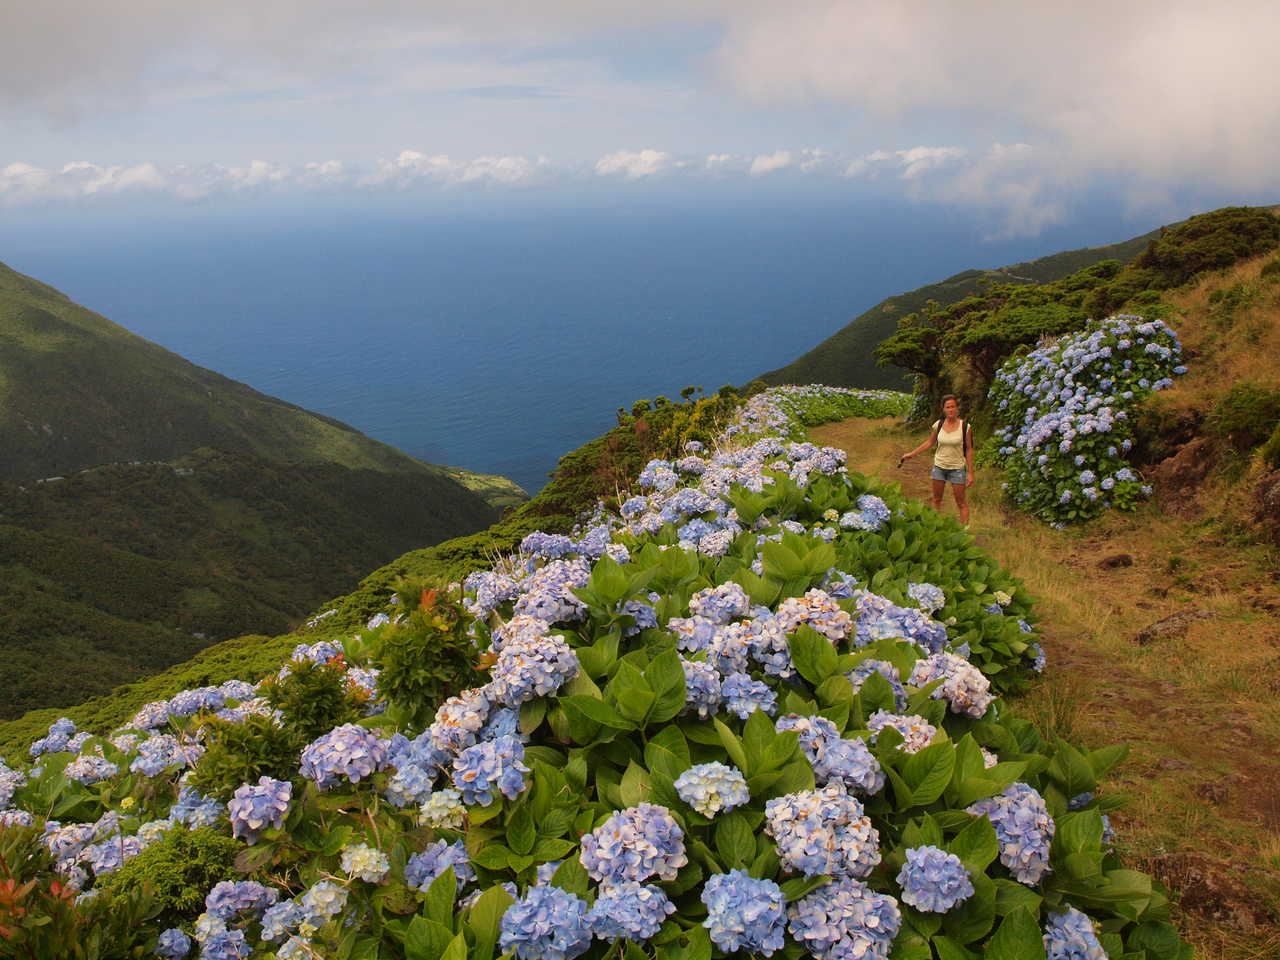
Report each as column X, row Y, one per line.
column 1016, row 114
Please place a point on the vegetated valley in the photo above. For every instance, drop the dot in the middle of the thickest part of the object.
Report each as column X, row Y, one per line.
column 149, row 507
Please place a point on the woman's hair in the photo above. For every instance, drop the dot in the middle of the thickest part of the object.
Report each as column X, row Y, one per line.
column 950, row 396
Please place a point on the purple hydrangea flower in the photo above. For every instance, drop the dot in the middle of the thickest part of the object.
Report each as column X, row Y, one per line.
column 231, row 898
column 635, row 844
column 255, row 808
column 823, row 831
column 546, row 924
column 493, row 766
column 933, row 880
column 1024, row 829
column 631, row 910
column 349, row 751
column 702, row 687
column 1071, row 935
column 845, row 919
column 744, row 913
column 744, row 696
column 423, row 868
column 173, row 944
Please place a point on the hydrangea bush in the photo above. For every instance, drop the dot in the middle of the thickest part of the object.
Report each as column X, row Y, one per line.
column 1065, row 414
column 755, row 709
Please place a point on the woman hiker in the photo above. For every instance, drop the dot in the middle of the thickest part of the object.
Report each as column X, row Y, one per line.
column 953, row 463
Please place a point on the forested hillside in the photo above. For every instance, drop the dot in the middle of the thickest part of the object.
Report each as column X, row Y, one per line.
column 150, row 507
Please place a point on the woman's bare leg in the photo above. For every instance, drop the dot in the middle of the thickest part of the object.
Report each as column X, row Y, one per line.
column 938, row 487
column 962, row 502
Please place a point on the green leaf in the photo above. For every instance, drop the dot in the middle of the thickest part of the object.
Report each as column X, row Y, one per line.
column 531, row 714
column 635, row 785
column 426, row 939
column 665, row 675
column 457, row 949
column 1072, row 771
column 757, row 735
column 551, row 848
column 735, row 840
column 797, row 887
column 1018, row 938
column 691, row 944
column 948, row 949
column 571, row 876
column 595, row 710
column 492, row 856
column 877, row 694
column 972, row 919
column 668, row 752
column 521, row 831
column 1010, row 895
column 813, row 655
column 336, row 839
column 781, row 562
column 634, row 703
column 733, row 746
column 440, row 896
column 929, row 771
column 976, row 845
column 597, row 658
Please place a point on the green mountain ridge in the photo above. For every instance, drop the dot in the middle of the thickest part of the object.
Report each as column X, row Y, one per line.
column 846, row 358
column 149, row 507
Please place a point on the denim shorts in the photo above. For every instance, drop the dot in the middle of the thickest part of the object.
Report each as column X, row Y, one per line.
column 950, row 476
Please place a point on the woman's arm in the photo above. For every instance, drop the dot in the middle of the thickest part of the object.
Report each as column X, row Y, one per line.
column 969, row 457
column 933, row 438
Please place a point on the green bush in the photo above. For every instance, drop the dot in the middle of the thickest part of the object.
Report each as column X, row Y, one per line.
column 239, row 753
column 178, row 870
column 1271, row 450
column 1245, row 415
column 313, row 698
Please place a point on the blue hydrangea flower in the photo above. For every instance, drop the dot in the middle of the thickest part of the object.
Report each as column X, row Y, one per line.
column 712, row 787
column 493, row 766
column 349, row 751
column 90, row 769
column 443, row 810
column 744, row 913
column 845, row 919
column 631, row 910
column 1071, row 935
column 546, row 924
column 702, row 687
column 963, row 685
column 195, row 810
column 532, row 667
column 1024, row 829
column 282, row 919
column 917, row 732
column 256, row 808
column 323, row 900
column 722, row 604
column 173, row 944
column 410, row 785
column 744, row 696
column 927, row 596
column 423, row 868
column 635, row 844
column 230, row 898
column 823, row 831
column 933, row 880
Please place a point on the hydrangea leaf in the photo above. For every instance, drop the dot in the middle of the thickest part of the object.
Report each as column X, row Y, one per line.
column 973, row 919
column 440, row 896
column 635, row 787
column 735, row 840
column 667, row 752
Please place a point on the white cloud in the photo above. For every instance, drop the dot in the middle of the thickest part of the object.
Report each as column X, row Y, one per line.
column 634, row 165
column 771, row 162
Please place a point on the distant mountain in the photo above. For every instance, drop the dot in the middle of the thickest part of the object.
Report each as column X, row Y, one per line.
column 150, row 507
column 847, row 357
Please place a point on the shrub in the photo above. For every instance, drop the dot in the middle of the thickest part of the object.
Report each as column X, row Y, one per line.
column 1066, row 412
column 241, row 752
column 1245, row 415
column 313, row 697
column 178, row 870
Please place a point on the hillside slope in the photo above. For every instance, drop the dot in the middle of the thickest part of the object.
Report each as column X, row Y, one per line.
column 846, row 358
column 149, row 507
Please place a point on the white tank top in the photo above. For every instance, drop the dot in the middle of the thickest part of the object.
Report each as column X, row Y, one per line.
column 950, row 454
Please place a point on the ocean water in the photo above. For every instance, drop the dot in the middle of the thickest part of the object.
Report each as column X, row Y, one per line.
column 498, row 336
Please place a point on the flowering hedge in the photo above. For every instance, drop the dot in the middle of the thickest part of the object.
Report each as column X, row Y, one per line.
column 788, row 410
column 1065, row 413
column 757, row 709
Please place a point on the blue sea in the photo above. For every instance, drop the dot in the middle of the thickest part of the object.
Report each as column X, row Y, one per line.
column 497, row 333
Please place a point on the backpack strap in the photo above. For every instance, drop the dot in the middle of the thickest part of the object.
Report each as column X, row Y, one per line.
column 964, row 439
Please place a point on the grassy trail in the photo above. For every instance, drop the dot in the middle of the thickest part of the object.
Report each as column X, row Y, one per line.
column 1198, row 710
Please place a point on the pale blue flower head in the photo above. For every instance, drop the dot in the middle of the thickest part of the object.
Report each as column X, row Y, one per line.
column 933, row 880
column 546, row 924
column 744, row 913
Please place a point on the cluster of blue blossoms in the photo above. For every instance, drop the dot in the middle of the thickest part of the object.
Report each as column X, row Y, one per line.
column 1066, row 413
